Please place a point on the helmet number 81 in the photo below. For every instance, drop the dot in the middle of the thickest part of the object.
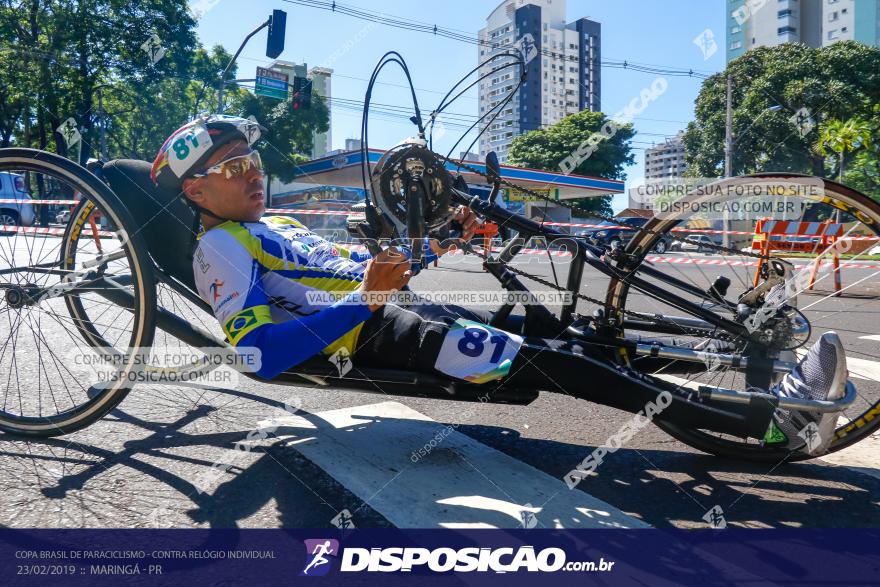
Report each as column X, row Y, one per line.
column 181, row 149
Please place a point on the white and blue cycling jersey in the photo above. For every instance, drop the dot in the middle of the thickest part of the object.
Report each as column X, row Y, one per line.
column 261, row 280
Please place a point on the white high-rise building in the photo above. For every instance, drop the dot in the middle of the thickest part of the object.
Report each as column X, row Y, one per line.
column 665, row 161
column 664, row 164
column 816, row 23
column 851, row 20
column 562, row 78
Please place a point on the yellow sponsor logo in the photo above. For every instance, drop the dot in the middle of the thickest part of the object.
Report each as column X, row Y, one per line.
column 77, row 226
column 861, row 421
column 81, row 219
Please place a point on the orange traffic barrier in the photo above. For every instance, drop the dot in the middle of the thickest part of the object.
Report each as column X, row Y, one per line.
column 488, row 230
column 776, row 235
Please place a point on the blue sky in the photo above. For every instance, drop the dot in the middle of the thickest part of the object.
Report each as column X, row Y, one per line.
column 643, row 31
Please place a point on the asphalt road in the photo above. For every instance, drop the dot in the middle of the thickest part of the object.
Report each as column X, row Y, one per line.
column 187, row 455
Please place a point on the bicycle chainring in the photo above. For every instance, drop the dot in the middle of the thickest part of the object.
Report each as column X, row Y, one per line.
column 414, row 168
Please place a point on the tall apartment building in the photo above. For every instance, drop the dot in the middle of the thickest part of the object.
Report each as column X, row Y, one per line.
column 665, row 161
column 816, row 23
column 563, row 77
column 320, row 77
column 851, row 20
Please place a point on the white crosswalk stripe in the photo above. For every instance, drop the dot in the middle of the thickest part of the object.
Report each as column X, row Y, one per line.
column 373, row 451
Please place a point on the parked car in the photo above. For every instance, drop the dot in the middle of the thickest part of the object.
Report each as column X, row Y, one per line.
column 63, row 217
column 697, row 242
column 621, row 235
column 12, row 187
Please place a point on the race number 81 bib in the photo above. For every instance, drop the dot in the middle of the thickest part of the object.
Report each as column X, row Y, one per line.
column 476, row 352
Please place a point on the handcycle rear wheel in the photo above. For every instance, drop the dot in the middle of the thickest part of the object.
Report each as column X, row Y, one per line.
column 861, row 219
column 172, row 359
column 51, row 368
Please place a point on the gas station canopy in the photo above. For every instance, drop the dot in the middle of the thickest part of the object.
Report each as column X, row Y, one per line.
column 344, row 169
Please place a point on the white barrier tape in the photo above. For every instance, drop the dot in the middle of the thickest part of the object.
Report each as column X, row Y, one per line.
column 307, row 211
column 310, row 212
column 687, row 261
column 362, row 248
column 572, row 224
column 60, row 202
column 50, row 231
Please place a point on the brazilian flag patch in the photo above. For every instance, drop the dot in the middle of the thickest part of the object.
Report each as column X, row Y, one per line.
column 245, row 321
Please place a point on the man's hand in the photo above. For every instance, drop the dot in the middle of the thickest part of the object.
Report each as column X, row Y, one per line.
column 387, row 272
column 468, row 220
column 469, row 224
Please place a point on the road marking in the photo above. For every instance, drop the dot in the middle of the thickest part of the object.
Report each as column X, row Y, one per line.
column 870, row 337
column 458, row 483
column 863, row 456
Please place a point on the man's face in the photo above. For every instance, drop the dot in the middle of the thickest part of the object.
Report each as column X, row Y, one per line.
column 236, row 198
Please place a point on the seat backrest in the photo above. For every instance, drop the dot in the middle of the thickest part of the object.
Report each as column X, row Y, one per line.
column 164, row 219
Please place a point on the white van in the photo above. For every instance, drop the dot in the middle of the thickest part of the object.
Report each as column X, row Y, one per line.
column 12, row 187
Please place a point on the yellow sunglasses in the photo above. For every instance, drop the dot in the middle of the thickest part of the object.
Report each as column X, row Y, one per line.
column 235, row 166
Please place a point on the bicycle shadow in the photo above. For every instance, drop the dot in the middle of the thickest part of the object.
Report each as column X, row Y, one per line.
column 682, row 486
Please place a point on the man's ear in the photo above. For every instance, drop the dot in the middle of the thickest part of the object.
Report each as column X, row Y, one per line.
column 193, row 191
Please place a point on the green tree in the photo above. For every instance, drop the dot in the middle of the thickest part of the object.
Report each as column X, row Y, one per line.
column 863, row 173
column 86, row 59
column 69, row 51
column 841, row 138
column 838, row 81
column 852, row 150
column 289, row 131
column 143, row 112
column 586, row 143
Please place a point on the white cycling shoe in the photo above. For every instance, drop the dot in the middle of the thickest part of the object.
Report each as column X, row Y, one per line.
column 820, row 375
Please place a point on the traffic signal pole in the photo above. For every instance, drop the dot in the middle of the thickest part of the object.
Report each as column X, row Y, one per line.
column 274, row 46
column 231, row 61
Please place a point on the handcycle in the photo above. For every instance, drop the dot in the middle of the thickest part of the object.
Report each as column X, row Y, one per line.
column 117, row 284
column 124, row 286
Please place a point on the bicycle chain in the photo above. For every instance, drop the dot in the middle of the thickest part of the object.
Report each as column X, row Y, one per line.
column 656, row 318
column 615, row 221
column 642, row 315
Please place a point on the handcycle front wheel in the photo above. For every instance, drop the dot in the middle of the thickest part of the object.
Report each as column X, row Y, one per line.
column 813, row 288
column 64, row 371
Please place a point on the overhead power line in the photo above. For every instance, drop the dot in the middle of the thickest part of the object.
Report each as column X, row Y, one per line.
column 433, row 29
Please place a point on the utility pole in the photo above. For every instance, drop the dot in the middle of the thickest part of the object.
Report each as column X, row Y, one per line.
column 728, row 130
column 728, row 155
column 103, row 127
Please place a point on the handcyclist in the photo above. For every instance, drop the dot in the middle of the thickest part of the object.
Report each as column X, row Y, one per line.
column 261, row 276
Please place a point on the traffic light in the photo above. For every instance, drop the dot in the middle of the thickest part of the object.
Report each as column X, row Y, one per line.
column 275, row 40
column 302, row 92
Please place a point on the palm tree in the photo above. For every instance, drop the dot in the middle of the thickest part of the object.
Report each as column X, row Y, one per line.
column 842, row 137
